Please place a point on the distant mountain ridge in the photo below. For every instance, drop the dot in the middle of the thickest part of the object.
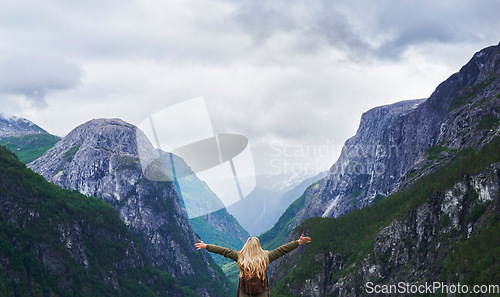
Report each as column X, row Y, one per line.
column 101, row 158
column 16, row 126
column 260, row 210
column 24, row 138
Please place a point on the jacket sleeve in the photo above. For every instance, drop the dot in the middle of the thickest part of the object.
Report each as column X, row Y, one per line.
column 228, row 253
column 282, row 250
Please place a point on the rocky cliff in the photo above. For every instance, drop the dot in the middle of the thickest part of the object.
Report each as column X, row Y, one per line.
column 444, row 229
column 395, row 155
column 367, row 166
column 358, row 178
column 101, row 158
column 392, row 140
column 56, row 242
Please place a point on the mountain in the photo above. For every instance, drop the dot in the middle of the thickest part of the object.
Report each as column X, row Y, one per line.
column 443, row 228
column 102, row 158
column 291, row 195
column 260, row 210
column 16, row 126
column 392, row 141
column 56, row 242
column 206, row 212
column 349, row 181
column 27, row 140
column 437, row 164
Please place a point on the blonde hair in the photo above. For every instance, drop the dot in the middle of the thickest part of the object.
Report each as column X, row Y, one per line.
column 253, row 260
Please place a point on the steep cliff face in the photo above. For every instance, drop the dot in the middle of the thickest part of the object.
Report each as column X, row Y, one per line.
column 439, row 189
column 101, row 158
column 362, row 171
column 55, row 242
column 392, row 140
column 355, row 180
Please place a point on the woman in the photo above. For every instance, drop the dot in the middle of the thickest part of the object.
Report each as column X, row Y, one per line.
column 253, row 262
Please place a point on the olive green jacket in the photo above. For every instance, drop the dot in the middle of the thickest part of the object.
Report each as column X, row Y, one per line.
column 273, row 255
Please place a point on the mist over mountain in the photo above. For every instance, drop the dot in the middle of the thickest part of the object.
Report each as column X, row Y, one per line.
column 260, row 210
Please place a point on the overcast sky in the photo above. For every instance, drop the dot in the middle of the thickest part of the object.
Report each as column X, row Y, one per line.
column 292, row 76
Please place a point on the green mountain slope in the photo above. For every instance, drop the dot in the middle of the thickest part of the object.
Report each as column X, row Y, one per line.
column 56, row 242
column 276, row 235
column 29, row 147
column 359, row 235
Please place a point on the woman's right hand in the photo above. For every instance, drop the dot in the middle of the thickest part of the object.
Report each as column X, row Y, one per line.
column 200, row 245
column 303, row 239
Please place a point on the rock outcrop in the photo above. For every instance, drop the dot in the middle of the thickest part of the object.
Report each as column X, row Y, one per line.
column 101, row 158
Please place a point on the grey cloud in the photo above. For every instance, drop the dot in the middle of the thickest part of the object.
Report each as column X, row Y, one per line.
column 44, row 46
column 34, row 75
column 414, row 23
column 338, row 32
column 368, row 29
column 34, row 60
column 263, row 19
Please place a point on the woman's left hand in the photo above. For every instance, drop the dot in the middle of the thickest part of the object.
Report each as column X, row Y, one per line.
column 200, row 245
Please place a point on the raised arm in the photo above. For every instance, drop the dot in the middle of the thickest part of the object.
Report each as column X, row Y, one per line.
column 286, row 248
column 228, row 253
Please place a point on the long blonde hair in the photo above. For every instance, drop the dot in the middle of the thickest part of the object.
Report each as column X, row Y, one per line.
column 253, row 260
